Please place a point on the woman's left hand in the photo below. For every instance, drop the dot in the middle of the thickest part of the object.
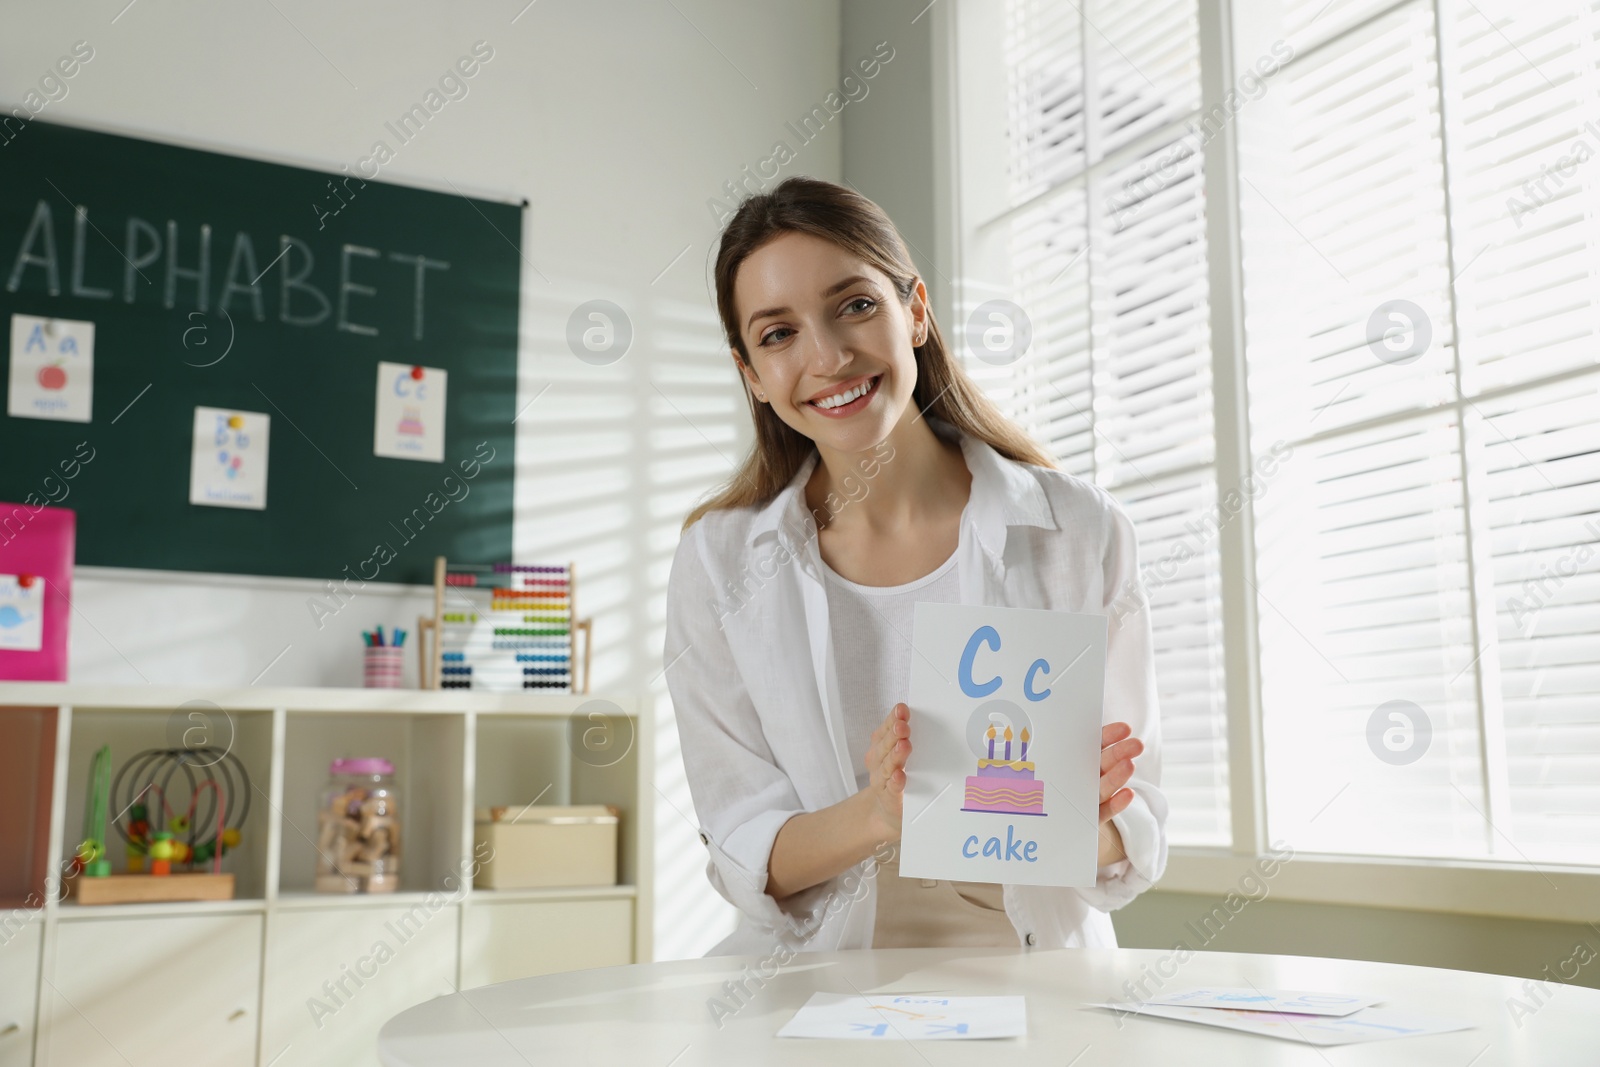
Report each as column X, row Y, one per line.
column 1118, row 747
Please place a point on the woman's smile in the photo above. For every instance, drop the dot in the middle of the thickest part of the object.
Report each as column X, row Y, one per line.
column 845, row 399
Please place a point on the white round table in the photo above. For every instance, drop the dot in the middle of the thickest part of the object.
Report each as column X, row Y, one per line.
column 658, row 1014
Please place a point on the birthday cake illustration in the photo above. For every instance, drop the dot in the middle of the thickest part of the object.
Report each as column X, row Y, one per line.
column 1005, row 786
column 411, row 422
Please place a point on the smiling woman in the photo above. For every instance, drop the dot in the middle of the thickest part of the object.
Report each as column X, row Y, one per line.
column 776, row 245
column 796, row 756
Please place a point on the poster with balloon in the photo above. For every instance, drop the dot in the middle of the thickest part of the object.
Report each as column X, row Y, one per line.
column 37, row 545
column 1003, row 780
column 21, row 613
column 228, row 468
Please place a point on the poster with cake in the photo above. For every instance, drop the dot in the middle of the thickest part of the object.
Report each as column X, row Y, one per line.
column 409, row 420
column 1003, row 782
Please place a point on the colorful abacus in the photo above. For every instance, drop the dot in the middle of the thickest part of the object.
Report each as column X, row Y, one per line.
column 503, row 626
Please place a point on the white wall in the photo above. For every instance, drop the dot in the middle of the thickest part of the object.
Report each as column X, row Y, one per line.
column 618, row 121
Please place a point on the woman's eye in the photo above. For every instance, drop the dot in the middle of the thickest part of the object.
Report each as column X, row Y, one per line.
column 867, row 300
column 773, row 336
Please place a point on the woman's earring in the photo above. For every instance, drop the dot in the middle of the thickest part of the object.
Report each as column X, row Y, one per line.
column 761, row 397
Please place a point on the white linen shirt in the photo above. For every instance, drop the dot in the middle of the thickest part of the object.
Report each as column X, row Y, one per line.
column 749, row 667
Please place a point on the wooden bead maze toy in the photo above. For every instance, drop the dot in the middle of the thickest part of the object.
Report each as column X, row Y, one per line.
column 157, row 835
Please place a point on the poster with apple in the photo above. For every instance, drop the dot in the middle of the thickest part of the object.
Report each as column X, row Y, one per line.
column 52, row 369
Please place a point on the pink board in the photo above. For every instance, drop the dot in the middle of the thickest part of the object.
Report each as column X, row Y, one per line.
column 36, row 546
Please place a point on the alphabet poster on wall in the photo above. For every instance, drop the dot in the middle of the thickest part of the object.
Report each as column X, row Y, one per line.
column 1004, row 776
column 52, row 369
column 229, row 467
column 410, row 412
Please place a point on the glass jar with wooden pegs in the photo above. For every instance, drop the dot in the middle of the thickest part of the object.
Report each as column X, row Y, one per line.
column 358, row 828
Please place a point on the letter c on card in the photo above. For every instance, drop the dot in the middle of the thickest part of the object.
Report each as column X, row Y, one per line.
column 983, row 635
column 1027, row 681
column 969, row 843
column 403, row 386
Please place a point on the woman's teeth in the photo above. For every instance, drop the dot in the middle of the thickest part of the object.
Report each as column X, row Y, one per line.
column 848, row 395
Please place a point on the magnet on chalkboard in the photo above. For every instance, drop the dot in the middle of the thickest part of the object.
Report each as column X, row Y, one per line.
column 416, row 374
column 25, row 581
column 236, row 422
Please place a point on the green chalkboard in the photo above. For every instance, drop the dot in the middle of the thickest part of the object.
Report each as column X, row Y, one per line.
column 312, row 279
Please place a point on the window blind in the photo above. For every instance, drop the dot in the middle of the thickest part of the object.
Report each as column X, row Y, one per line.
column 1418, row 255
column 1143, row 61
column 1524, row 91
column 1044, row 116
column 1105, row 234
column 1542, row 483
column 1418, row 241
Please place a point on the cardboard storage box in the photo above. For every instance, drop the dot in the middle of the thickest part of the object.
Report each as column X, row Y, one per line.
column 529, row 847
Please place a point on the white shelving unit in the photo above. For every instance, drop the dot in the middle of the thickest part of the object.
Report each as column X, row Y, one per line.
column 282, row 976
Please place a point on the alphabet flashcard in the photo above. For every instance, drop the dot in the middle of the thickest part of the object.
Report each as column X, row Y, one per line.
column 21, row 613
column 1003, row 780
column 52, row 369
column 229, row 464
column 410, row 412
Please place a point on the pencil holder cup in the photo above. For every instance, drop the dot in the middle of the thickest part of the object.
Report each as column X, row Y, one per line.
column 383, row 667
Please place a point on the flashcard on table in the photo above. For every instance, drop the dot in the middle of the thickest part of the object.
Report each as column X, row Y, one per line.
column 1295, row 1001
column 1003, row 780
column 21, row 613
column 229, row 468
column 1368, row 1024
column 52, row 369
column 410, row 412
column 908, row 1018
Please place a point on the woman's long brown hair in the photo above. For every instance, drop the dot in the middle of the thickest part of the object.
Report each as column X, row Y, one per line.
column 861, row 228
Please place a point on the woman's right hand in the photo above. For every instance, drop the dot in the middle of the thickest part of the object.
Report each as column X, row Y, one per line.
column 813, row 846
column 886, row 761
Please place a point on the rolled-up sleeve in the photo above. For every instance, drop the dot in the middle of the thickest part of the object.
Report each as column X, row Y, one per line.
column 1130, row 696
column 741, row 797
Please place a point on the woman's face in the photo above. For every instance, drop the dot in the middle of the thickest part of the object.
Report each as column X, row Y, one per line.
column 820, row 325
